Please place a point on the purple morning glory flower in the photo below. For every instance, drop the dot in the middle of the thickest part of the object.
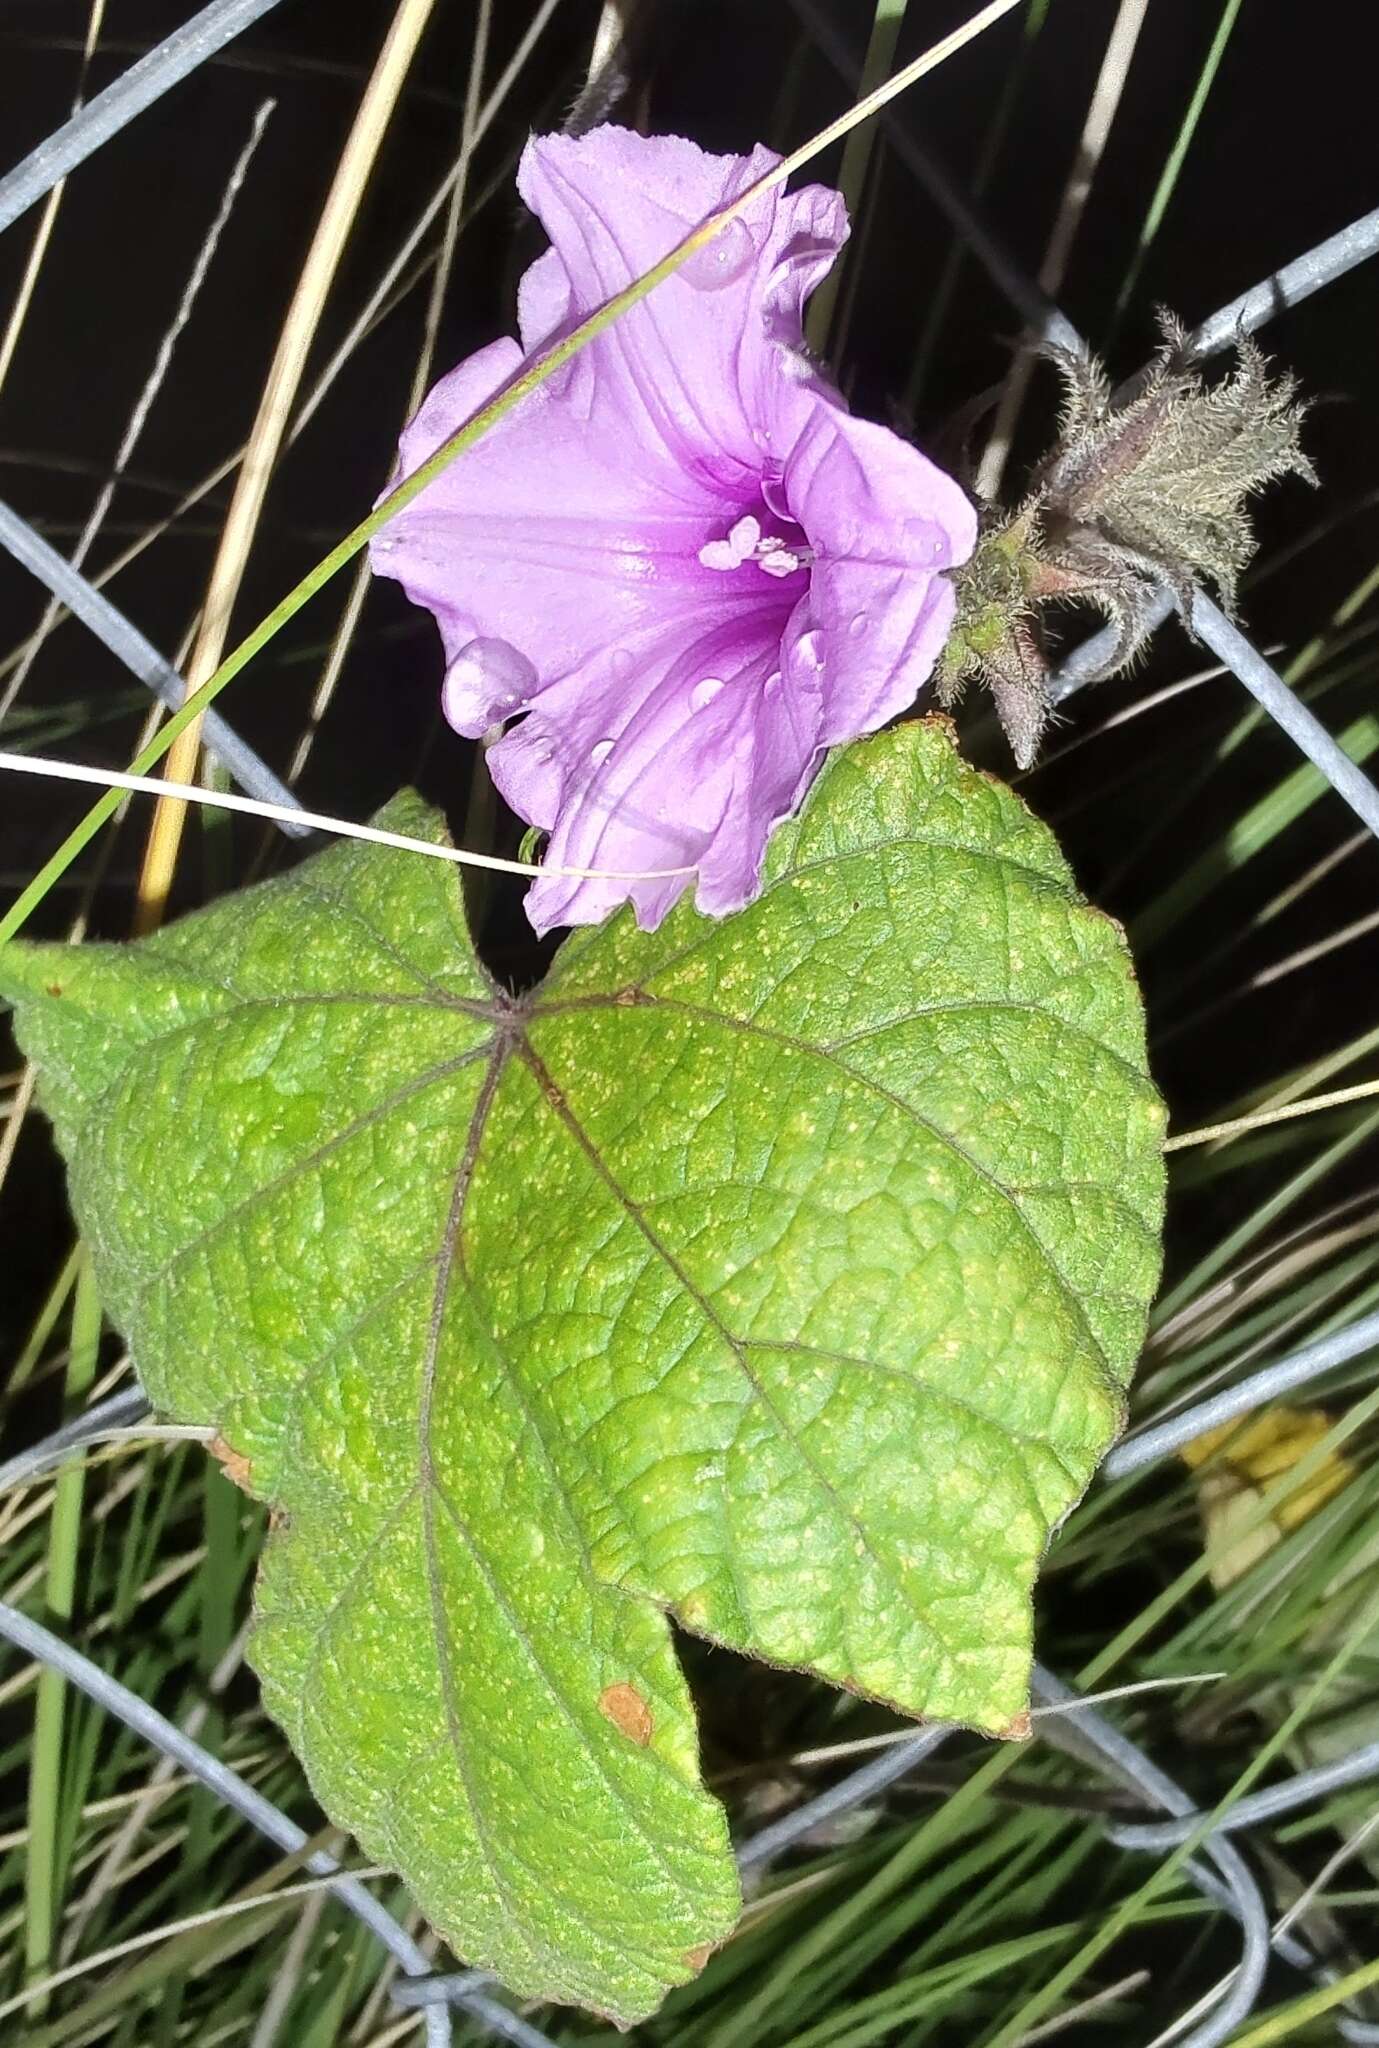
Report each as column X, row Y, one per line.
column 681, row 565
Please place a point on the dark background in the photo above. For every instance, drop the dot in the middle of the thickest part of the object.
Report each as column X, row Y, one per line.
column 1285, row 154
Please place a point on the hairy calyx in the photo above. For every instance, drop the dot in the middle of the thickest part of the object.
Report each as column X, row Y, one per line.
column 1135, row 495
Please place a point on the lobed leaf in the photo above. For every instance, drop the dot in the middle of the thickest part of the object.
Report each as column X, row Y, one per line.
column 782, row 1275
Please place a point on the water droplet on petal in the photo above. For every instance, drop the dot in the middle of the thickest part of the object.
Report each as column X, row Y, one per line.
column 704, row 692
column 772, row 683
column 600, row 751
column 859, row 624
column 921, row 537
column 810, row 648
column 721, row 261
column 623, row 663
column 488, row 680
column 773, row 491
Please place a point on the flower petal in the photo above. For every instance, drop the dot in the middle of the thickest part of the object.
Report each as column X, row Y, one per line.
column 679, row 561
column 688, row 767
column 883, row 522
column 683, row 369
column 544, row 535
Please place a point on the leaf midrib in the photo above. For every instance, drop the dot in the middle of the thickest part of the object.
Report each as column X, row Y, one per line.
column 432, row 1488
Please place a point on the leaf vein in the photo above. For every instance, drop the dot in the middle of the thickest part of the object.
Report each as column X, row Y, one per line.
column 960, row 1151
column 307, row 1164
column 638, row 1217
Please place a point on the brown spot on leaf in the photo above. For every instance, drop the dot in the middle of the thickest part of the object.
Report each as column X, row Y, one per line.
column 1018, row 1730
column 552, row 1094
column 55, row 988
column 624, row 1706
column 695, row 1958
column 233, row 1463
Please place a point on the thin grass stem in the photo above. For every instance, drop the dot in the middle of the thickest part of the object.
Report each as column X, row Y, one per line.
column 1168, row 178
column 47, row 221
column 1101, row 114
column 886, row 25
column 270, row 425
column 129, row 646
column 547, row 365
column 44, row 1874
column 141, row 86
column 313, row 821
column 44, row 1323
column 1263, row 1119
column 144, row 404
column 153, row 1727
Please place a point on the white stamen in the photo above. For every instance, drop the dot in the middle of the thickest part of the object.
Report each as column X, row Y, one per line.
column 745, row 543
column 744, row 538
column 780, row 562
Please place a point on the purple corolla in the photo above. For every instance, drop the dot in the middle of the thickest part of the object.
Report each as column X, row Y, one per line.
column 680, row 566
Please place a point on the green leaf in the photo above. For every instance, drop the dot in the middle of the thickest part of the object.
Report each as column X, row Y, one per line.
column 782, row 1274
